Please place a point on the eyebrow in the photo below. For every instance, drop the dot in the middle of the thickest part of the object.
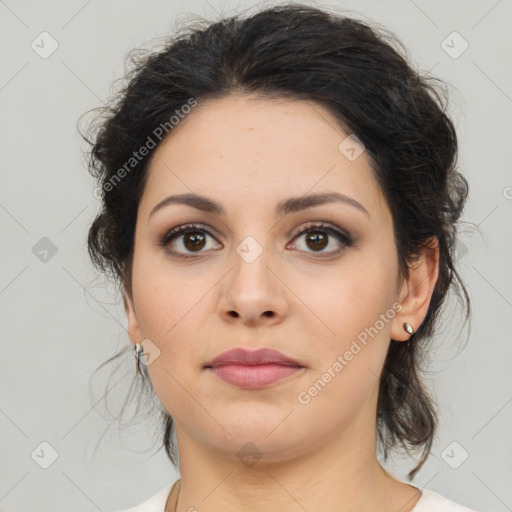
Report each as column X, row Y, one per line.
column 290, row 205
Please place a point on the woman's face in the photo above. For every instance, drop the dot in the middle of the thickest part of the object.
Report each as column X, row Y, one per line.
column 251, row 281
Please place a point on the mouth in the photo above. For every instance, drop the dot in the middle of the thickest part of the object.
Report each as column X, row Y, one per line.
column 253, row 369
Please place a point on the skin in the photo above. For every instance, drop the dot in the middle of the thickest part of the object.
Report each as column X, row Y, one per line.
column 248, row 153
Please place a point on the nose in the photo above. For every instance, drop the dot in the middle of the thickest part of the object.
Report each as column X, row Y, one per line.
column 253, row 292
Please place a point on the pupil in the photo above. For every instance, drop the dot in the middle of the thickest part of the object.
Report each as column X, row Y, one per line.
column 319, row 239
column 194, row 237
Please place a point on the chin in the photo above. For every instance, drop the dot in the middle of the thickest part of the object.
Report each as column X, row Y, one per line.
column 268, row 435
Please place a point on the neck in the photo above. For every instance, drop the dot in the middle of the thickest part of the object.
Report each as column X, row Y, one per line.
column 340, row 475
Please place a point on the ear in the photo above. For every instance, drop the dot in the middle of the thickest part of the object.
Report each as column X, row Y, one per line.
column 133, row 324
column 415, row 291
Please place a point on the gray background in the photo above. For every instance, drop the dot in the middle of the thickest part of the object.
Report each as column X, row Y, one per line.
column 59, row 322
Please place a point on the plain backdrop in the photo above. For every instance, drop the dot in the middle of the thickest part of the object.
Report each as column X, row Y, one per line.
column 58, row 322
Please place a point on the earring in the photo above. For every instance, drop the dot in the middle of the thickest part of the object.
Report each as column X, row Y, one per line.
column 138, row 351
column 408, row 327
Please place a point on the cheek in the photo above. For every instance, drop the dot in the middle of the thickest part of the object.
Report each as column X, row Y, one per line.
column 164, row 297
column 350, row 301
column 167, row 309
column 358, row 312
column 358, row 309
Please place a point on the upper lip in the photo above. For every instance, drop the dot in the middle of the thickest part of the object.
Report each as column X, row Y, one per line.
column 251, row 357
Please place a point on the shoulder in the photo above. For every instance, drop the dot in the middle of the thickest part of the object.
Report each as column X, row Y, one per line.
column 431, row 501
column 155, row 503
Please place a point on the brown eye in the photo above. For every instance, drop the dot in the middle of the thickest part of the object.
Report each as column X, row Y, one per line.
column 317, row 240
column 318, row 237
column 184, row 241
column 194, row 241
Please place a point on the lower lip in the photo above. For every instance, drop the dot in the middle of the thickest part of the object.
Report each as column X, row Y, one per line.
column 254, row 376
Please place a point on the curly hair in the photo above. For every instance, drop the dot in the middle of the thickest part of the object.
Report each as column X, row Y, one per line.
column 363, row 76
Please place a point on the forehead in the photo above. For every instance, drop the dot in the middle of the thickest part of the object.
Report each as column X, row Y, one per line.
column 252, row 151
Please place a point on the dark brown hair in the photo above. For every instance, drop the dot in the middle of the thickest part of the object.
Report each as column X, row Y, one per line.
column 362, row 75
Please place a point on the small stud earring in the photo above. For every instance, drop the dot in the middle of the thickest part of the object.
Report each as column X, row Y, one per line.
column 408, row 328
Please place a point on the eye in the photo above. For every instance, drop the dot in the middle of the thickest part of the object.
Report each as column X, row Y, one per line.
column 316, row 237
column 193, row 238
column 190, row 237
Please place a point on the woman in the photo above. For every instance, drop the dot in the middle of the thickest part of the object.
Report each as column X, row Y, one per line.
column 280, row 203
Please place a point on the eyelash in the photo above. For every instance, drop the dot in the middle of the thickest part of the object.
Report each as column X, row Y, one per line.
column 344, row 238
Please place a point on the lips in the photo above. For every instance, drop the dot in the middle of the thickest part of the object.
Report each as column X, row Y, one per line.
column 239, row 356
column 253, row 369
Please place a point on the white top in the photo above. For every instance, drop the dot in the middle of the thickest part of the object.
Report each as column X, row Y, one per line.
column 430, row 501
